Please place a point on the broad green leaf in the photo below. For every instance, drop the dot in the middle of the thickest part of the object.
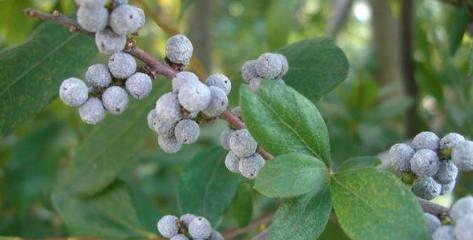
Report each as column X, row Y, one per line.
column 458, row 20
column 242, row 207
column 32, row 72
column 358, row 162
column 302, row 218
column 371, row 204
column 283, row 121
column 109, row 214
column 333, row 232
column 290, row 175
column 110, row 147
column 316, row 67
column 206, row 187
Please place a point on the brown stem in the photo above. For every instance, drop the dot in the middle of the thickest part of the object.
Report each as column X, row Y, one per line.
column 432, row 208
column 261, row 221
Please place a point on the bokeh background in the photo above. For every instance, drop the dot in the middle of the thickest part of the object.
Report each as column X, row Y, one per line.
column 411, row 69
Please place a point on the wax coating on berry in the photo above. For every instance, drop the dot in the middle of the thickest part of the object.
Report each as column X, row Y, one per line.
column 183, row 78
column 242, row 143
column 400, row 156
column 167, row 226
column 462, row 155
column 444, row 233
column 426, row 188
column 433, row 223
column 168, row 108
column 187, row 131
column 186, row 219
column 218, row 102
column 179, row 237
column 250, row 166
column 92, row 111
column 98, row 75
column 127, row 19
column 221, row 81
column 194, row 97
column 108, row 42
column 426, row 140
column 248, row 71
column 447, row 172
column 425, row 163
column 122, row 65
column 200, row 228
column 225, row 138
column 450, row 140
column 73, row 92
column 463, row 228
column 179, row 49
column 92, row 19
column 232, row 162
column 139, row 85
column 269, row 66
column 169, row 144
column 115, row 100
column 461, row 208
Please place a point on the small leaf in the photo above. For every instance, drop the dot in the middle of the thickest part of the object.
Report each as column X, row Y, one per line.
column 291, row 175
column 242, row 207
column 316, row 67
column 283, row 121
column 358, row 162
column 206, row 187
column 372, row 205
column 302, row 218
column 458, row 20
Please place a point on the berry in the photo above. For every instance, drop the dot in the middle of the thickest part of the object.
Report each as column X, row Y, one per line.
column 450, row 140
column 448, row 187
column 115, row 100
column 426, row 188
column 285, row 65
column 139, row 85
column 463, row 228
column 242, row 143
column 425, row 163
column 117, row 3
column 73, row 92
column 433, row 223
column 426, row 140
column 218, row 102
column 236, row 111
column 249, row 167
column 444, row 233
column 194, row 97
column 186, row 219
column 216, row 236
column 169, row 144
column 122, row 65
column 152, row 119
column 221, row 81
column 158, row 125
column 462, row 155
column 168, row 108
column 225, row 138
column 127, row 19
column 187, row 131
column 179, row 237
column 447, row 172
column 179, row 49
column 400, row 156
column 248, row 71
column 92, row 111
column 232, row 162
column 92, row 20
column 269, row 66
column 200, row 228
column 98, row 75
column 167, row 226
column 183, row 78
column 461, row 208
column 108, row 42
column 255, row 84
column 91, row 3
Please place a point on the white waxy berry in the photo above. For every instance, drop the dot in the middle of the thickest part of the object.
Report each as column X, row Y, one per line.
column 426, row 140
column 152, row 118
column 425, row 162
column 183, row 78
column 115, row 100
column 232, row 162
column 249, row 167
column 216, row 236
column 139, row 85
column 92, row 111
column 168, row 108
column 186, row 219
column 127, row 19
column 448, row 187
column 73, row 92
column 167, row 226
column 426, row 188
column 179, row 237
column 169, row 144
column 447, row 172
column 92, row 20
column 462, row 155
column 91, row 3
column 218, row 102
column 108, row 42
column 187, row 131
column 179, row 49
column 450, row 140
column 269, row 66
column 194, row 97
column 98, row 75
column 463, row 228
column 285, row 65
column 242, row 143
column 400, row 156
column 200, row 228
column 255, row 84
column 248, row 71
column 236, row 111
column 122, row 65
column 221, row 81
column 433, row 223
column 225, row 138
column 160, row 126
column 461, row 208
column 444, row 233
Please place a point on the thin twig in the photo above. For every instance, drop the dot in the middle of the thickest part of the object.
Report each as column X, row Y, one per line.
column 432, row 208
column 259, row 222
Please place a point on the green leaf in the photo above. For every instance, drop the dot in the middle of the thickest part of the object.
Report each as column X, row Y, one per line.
column 316, row 67
column 302, row 218
column 374, row 205
column 457, row 23
column 358, row 162
column 283, row 121
column 110, row 147
column 242, row 207
column 32, row 72
column 333, row 231
column 291, row 175
column 110, row 214
column 206, row 187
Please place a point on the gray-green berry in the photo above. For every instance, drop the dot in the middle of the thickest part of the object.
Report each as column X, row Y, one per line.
column 187, row 131
column 232, row 162
column 255, row 84
column 91, row 3
column 446, row 173
column 122, row 65
column 462, row 155
column 461, row 208
column 425, row 163
column 216, row 236
column 186, row 219
column 194, row 97
column 249, row 167
column 169, row 143
column 126, row 19
column 433, row 223
column 200, row 228
column 464, row 228
column 448, row 187
column 139, row 85
column 221, row 81
column 179, row 49
column 218, row 102
column 117, row 3
column 236, row 111
column 400, row 156
column 285, row 65
column 167, row 226
column 98, row 75
column 426, row 140
column 426, row 188
column 168, row 108
column 450, row 140
column 225, row 138
column 92, row 111
column 179, row 237
column 183, row 78
column 444, row 233
column 248, row 71
column 115, row 100
column 242, row 143
column 269, row 66
column 92, row 19
column 152, row 118
column 108, row 42
column 73, row 92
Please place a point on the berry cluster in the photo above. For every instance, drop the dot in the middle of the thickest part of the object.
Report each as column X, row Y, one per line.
column 186, row 227
column 434, row 162
column 242, row 156
column 461, row 215
column 176, row 115
column 267, row 66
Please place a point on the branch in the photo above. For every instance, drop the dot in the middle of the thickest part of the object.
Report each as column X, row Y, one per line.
column 258, row 222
